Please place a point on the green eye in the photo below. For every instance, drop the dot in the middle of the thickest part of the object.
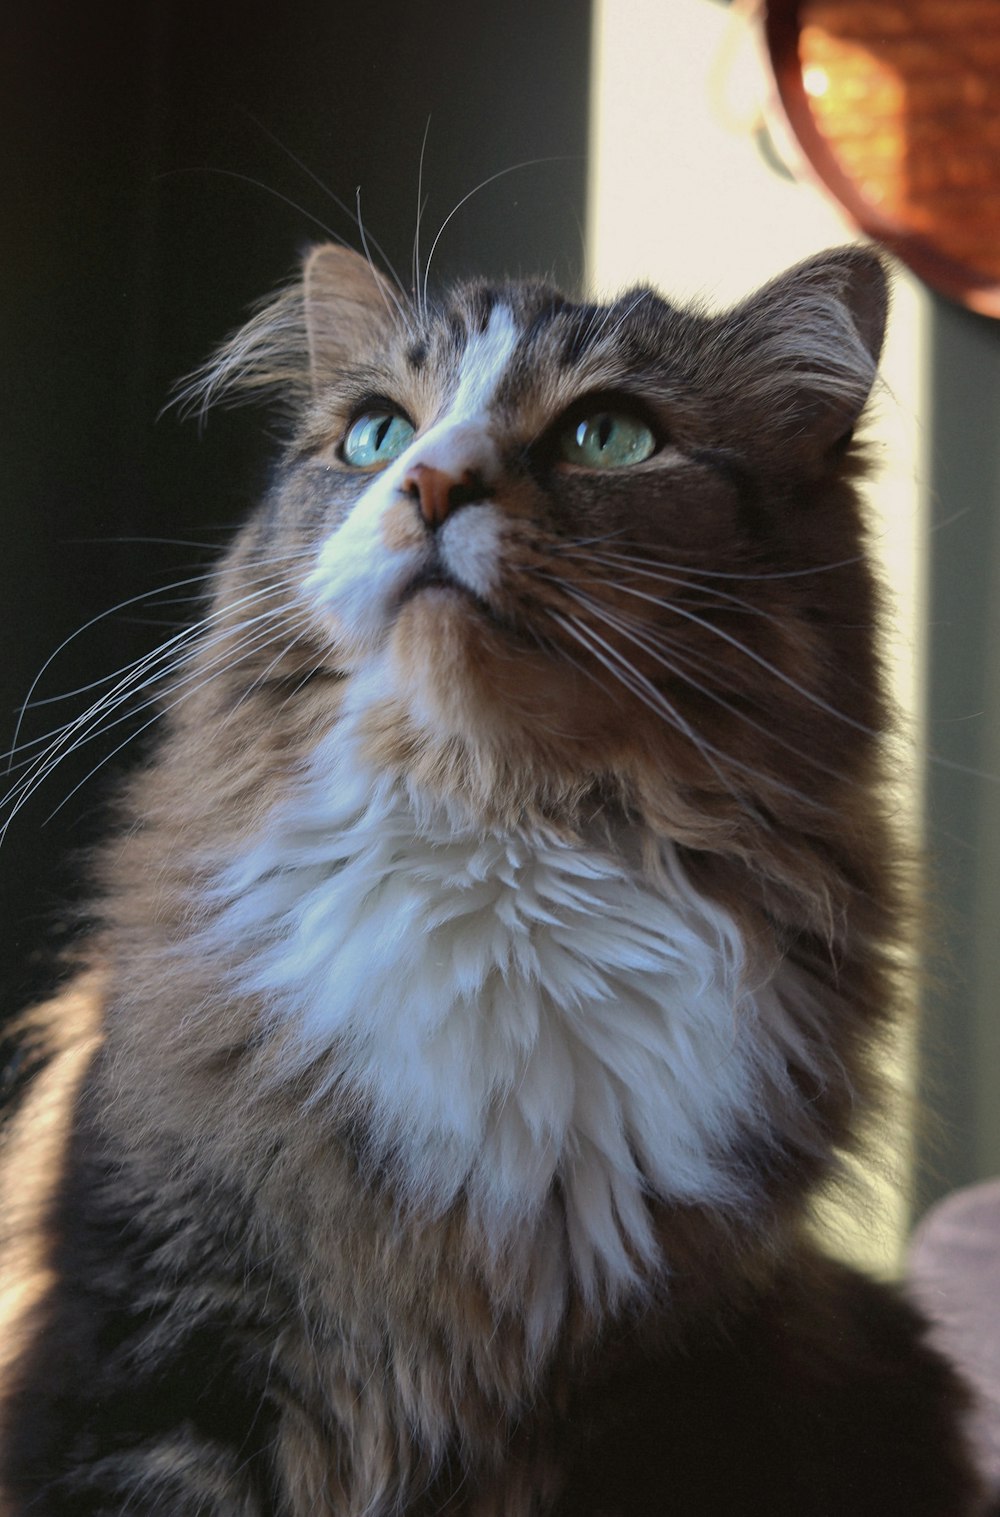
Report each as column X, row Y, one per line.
column 376, row 438
column 607, row 440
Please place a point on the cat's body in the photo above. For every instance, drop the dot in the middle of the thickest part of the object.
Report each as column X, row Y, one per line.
column 493, row 950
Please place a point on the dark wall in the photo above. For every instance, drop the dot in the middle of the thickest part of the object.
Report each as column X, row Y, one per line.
column 145, row 204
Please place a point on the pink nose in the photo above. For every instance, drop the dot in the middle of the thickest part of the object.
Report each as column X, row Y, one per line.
column 437, row 493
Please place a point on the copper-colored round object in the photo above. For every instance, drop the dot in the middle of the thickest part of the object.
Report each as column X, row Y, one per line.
column 896, row 105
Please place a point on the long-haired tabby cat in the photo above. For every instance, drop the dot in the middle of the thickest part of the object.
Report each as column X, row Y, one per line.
column 491, row 953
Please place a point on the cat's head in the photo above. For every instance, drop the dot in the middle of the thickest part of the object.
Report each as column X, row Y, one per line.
column 555, row 546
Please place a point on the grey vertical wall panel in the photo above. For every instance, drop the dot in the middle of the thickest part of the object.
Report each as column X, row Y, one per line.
column 961, row 1035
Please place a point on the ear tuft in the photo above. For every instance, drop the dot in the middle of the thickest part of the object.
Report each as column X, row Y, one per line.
column 348, row 306
column 805, row 351
column 267, row 357
column 298, row 340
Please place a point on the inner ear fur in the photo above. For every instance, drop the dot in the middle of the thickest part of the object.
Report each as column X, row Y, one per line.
column 348, row 304
column 808, row 346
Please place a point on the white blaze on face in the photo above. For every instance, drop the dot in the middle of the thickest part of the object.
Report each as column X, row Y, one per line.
column 358, row 577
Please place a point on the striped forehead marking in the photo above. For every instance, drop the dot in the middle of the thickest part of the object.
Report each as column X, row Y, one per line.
column 483, row 363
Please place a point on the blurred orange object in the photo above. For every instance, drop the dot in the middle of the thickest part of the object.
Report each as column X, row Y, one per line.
column 896, row 106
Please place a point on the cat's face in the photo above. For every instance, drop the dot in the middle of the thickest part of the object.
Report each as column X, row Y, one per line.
column 577, row 536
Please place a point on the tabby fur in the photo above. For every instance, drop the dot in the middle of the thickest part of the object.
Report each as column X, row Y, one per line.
column 493, row 954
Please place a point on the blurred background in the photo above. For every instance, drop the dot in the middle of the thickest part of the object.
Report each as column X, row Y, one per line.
column 165, row 164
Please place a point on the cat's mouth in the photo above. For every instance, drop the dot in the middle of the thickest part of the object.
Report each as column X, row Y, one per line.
column 434, row 576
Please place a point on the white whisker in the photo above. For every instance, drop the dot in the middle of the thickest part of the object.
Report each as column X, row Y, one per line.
column 723, row 599
column 512, row 168
column 626, row 626
column 646, row 563
column 156, row 717
column 758, row 658
column 187, row 631
column 644, row 689
column 321, row 184
column 601, row 330
column 421, row 206
column 151, row 669
column 260, row 184
column 386, row 291
column 132, row 600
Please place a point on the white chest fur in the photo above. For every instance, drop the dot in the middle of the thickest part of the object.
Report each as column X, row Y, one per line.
column 519, row 1012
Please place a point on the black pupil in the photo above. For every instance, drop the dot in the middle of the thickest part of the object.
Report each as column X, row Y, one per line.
column 384, row 426
column 604, row 429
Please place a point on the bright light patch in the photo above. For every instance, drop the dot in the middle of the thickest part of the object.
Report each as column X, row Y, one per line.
column 815, row 81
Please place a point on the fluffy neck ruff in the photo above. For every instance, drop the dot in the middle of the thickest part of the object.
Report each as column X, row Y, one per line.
column 530, row 1021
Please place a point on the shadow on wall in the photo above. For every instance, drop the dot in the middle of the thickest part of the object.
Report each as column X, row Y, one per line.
column 146, row 205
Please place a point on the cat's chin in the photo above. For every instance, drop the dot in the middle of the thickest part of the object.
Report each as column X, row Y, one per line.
column 466, row 673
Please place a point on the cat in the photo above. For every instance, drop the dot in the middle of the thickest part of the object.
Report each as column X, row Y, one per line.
column 492, row 952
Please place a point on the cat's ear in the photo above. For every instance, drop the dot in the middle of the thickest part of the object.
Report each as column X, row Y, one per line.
column 348, row 305
column 331, row 314
column 806, row 350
